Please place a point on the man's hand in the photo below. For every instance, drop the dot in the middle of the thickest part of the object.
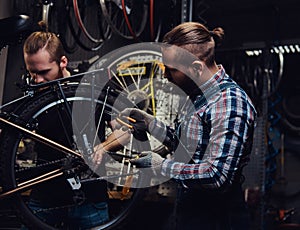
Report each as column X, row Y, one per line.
column 148, row 159
column 115, row 141
column 142, row 120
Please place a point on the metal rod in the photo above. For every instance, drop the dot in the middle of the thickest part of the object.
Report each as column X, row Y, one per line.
column 11, row 192
column 42, row 139
column 39, row 177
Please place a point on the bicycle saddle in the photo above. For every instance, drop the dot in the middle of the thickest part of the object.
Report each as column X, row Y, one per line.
column 12, row 27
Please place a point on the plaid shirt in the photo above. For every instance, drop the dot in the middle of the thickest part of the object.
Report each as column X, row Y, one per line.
column 216, row 135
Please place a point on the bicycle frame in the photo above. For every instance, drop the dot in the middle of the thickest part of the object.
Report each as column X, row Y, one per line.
column 30, row 90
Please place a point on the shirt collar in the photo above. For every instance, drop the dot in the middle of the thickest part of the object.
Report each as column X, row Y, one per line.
column 214, row 80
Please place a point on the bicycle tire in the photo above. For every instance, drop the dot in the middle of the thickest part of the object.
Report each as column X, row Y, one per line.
column 127, row 25
column 76, row 33
column 66, row 37
column 156, row 19
column 122, row 63
column 81, row 25
column 26, row 115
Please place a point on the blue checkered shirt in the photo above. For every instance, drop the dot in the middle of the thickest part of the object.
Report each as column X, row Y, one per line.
column 215, row 135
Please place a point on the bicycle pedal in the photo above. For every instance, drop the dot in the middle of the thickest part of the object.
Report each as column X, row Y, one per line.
column 75, row 183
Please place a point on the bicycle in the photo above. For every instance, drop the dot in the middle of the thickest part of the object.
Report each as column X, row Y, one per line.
column 21, row 166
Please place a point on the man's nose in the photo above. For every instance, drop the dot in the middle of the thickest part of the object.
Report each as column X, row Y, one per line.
column 38, row 79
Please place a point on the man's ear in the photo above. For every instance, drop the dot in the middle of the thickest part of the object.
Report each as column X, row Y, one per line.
column 198, row 65
column 63, row 62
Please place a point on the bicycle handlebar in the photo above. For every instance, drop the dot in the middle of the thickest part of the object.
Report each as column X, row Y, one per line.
column 61, row 80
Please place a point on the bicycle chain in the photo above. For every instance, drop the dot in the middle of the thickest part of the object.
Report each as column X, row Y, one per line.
column 54, row 208
column 41, row 165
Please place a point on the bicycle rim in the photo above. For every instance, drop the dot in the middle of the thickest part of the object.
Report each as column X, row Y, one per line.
column 126, row 18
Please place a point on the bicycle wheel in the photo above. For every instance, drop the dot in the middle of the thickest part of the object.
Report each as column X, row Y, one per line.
column 136, row 73
column 87, row 25
column 127, row 18
column 103, row 31
column 23, row 159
